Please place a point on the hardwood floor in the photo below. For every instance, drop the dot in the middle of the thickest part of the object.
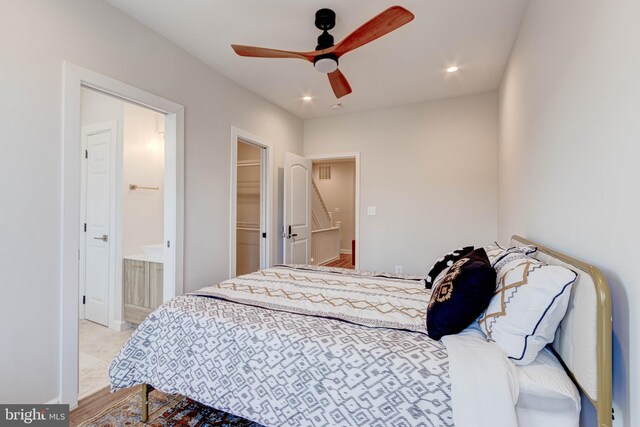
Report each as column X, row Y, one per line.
column 98, row 402
column 343, row 262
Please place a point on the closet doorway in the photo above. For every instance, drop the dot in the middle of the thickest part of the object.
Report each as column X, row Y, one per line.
column 250, row 204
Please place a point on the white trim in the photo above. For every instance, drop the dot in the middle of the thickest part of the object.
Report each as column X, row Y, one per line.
column 54, row 401
column 330, row 261
column 356, row 156
column 266, row 216
column 120, row 325
column 74, row 77
column 345, row 251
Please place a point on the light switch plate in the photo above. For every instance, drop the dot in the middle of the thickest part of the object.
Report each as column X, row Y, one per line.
column 371, row 210
column 336, row 210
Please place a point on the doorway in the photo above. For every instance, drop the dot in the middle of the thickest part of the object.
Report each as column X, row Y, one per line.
column 249, row 208
column 106, row 172
column 317, row 231
column 122, row 221
column 250, row 237
column 333, row 235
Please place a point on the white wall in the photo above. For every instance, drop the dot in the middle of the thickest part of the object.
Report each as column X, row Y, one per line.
column 429, row 168
column 340, row 192
column 143, row 165
column 35, row 37
column 569, row 150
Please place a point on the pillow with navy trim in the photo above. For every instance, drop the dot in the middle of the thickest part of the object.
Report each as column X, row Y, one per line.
column 495, row 252
column 460, row 295
column 530, row 300
column 443, row 262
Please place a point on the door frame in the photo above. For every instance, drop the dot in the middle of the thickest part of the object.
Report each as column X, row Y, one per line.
column 341, row 156
column 113, row 192
column 266, row 188
column 74, row 78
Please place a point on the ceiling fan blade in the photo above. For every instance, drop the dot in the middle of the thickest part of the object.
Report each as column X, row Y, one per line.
column 383, row 23
column 339, row 84
column 261, row 52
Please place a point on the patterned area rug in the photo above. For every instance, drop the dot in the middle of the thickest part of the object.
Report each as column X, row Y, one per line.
column 165, row 410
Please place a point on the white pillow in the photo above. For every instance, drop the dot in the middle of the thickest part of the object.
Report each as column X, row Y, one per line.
column 495, row 252
column 530, row 301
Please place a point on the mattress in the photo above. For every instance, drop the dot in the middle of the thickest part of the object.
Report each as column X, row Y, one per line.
column 547, row 394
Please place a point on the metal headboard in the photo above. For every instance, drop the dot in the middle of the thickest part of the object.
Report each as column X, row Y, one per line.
column 596, row 386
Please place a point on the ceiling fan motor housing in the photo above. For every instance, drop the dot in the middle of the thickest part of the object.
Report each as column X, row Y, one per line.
column 325, row 40
column 325, row 21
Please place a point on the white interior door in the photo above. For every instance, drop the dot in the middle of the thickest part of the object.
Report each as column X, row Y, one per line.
column 297, row 209
column 99, row 142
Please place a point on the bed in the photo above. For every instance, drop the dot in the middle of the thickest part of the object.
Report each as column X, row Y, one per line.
column 299, row 345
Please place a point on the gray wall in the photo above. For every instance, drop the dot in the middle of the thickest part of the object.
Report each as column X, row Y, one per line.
column 35, row 37
column 569, row 150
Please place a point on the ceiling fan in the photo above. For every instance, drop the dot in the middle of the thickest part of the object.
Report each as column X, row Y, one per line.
column 325, row 57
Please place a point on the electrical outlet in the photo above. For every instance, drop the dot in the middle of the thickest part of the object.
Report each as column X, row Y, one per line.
column 371, row 210
column 398, row 269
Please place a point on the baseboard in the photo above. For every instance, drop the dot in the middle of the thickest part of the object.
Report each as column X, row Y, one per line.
column 345, row 251
column 120, row 325
column 330, row 261
column 53, row 401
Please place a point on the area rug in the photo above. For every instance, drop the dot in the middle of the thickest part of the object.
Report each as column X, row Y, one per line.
column 165, row 410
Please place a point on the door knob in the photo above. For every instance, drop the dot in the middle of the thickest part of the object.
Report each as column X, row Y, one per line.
column 104, row 238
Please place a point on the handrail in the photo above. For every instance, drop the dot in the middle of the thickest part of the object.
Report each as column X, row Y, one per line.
column 315, row 221
column 315, row 187
column 325, row 230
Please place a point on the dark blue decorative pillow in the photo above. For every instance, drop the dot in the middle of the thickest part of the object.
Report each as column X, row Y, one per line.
column 444, row 262
column 461, row 294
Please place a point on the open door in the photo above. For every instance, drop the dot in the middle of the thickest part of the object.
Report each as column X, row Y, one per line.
column 98, row 140
column 297, row 209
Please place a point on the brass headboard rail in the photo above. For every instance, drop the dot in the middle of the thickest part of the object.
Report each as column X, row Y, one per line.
column 603, row 402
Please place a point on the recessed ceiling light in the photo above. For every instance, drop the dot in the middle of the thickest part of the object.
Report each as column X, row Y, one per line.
column 336, row 106
column 452, row 69
column 306, row 98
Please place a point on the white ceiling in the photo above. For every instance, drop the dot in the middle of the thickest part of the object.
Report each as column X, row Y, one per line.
column 405, row 66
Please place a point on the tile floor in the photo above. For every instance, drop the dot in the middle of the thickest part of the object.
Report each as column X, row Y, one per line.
column 98, row 346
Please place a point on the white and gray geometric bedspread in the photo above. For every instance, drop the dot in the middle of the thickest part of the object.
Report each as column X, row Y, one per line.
column 358, row 297
column 284, row 369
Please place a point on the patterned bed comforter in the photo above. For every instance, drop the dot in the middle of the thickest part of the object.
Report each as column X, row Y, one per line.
column 281, row 368
column 364, row 298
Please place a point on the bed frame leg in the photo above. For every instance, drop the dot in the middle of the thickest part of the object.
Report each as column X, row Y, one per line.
column 145, row 390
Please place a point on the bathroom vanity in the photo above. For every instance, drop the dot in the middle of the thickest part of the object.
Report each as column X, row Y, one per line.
column 142, row 286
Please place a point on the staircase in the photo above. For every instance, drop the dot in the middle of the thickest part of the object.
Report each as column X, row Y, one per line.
column 325, row 234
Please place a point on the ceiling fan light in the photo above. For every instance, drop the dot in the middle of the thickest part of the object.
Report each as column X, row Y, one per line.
column 326, row 65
